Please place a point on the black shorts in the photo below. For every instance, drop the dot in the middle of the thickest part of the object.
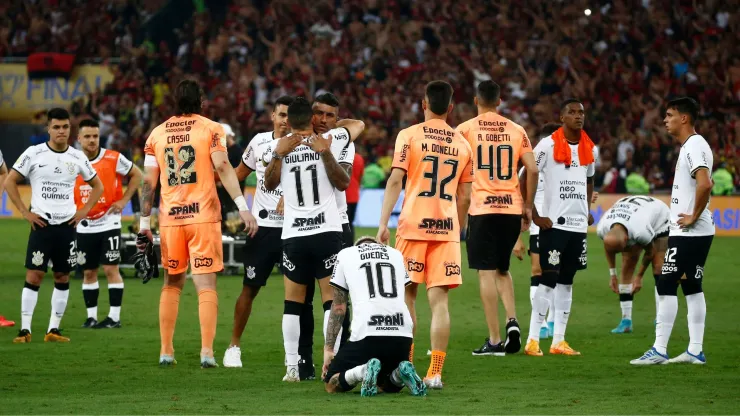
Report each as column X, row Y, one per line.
column 99, row 248
column 562, row 251
column 347, row 236
column 491, row 238
column 686, row 255
column 261, row 254
column 311, row 257
column 391, row 351
column 55, row 243
column 534, row 244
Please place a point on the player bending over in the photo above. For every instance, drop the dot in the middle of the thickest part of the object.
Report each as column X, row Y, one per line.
column 374, row 276
column 631, row 225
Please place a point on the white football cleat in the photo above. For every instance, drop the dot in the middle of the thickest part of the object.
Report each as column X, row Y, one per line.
column 651, row 357
column 689, row 358
column 291, row 375
column 434, row 382
column 233, row 357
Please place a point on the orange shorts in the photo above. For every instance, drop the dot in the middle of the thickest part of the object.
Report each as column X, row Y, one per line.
column 199, row 243
column 434, row 263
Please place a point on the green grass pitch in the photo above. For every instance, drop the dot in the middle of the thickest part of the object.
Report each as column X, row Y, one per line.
column 115, row 371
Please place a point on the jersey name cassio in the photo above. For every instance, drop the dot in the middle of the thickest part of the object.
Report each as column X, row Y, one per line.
column 375, row 277
column 181, row 148
column 436, row 158
column 310, row 204
column 341, row 139
column 498, row 144
column 565, row 188
column 695, row 154
column 644, row 217
column 264, row 207
column 539, row 199
column 111, row 167
column 52, row 175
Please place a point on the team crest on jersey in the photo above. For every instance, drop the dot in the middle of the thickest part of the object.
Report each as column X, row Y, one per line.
column 554, row 258
column 38, row 258
column 81, row 258
column 287, row 263
column 699, row 272
column 250, row 272
column 70, row 167
column 330, row 262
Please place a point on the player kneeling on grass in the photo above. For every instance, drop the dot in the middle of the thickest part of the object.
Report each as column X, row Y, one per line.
column 631, row 225
column 374, row 275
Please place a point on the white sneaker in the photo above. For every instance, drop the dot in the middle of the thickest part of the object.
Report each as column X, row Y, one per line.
column 651, row 357
column 688, row 358
column 233, row 357
column 434, row 382
column 291, row 375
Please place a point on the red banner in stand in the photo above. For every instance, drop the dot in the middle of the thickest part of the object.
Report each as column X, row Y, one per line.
column 50, row 65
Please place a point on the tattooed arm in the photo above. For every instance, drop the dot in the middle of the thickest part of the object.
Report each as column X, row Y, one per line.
column 338, row 176
column 272, row 174
column 149, row 183
column 336, row 317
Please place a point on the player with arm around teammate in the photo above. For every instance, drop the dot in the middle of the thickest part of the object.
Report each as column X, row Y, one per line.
column 374, row 276
column 632, row 225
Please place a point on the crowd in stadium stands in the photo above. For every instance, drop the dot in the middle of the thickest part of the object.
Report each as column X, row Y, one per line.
column 624, row 60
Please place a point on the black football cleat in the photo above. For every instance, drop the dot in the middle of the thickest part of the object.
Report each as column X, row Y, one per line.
column 108, row 323
column 90, row 323
column 491, row 349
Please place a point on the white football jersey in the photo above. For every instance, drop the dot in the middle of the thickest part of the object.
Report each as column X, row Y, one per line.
column 109, row 221
column 52, row 175
column 310, row 205
column 2, row 161
column 644, row 217
column 694, row 155
column 264, row 206
column 341, row 140
column 565, row 189
column 376, row 279
column 539, row 199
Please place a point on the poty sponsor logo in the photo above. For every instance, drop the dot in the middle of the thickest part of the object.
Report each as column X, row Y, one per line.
column 452, row 269
column 203, row 262
column 415, row 266
column 172, row 263
column 287, row 263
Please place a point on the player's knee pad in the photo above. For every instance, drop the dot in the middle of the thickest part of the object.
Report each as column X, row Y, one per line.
column 292, row 308
column 327, row 305
column 691, row 286
column 535, row 280
column 566, row 276
column 667, row 285
column 549, row 279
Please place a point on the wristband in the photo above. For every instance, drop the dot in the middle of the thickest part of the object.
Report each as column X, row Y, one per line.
column 145, row 223
column 613, row 272
column 241, row 203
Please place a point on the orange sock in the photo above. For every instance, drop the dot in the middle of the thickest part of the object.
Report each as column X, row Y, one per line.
column 438, row 361
column 411, row 353
column 208, row 313
column 169, row 303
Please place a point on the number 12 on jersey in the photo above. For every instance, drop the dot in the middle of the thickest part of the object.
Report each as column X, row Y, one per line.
column 180, row 166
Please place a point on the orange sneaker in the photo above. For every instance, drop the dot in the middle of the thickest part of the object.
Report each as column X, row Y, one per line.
column 55, row 336
column 533, row 348
column 562, row 348
column 24, row 337
column 5, row 322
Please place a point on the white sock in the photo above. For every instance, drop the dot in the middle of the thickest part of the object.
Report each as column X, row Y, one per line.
column 626, row 305
column 551, row 307
column 563, row 302
column 115, row 311
column 58, row 305
column 29, row 298
column 697, row 306
column 532, row 291
column 93, row 311
column 539, row 311
column 355, row 375
column 666, row 317
column 291, row 336
column 657, row 303
column 326, row 325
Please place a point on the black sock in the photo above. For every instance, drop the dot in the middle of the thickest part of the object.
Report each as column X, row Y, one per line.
column 90, row 293
column 116, row 296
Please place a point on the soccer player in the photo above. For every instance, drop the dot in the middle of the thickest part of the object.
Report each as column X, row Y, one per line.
column 498, row 210
column 374, row 276
column 99, row 235
column 306, row 167
column 632, row 225
column 182, row 153
column 438, row 163
column 52, row 169
column 566, row 161
column 690, row 238
column 548, row 326
column 3, row 175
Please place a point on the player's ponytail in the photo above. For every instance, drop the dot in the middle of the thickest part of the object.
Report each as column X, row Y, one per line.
column 188, row 97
